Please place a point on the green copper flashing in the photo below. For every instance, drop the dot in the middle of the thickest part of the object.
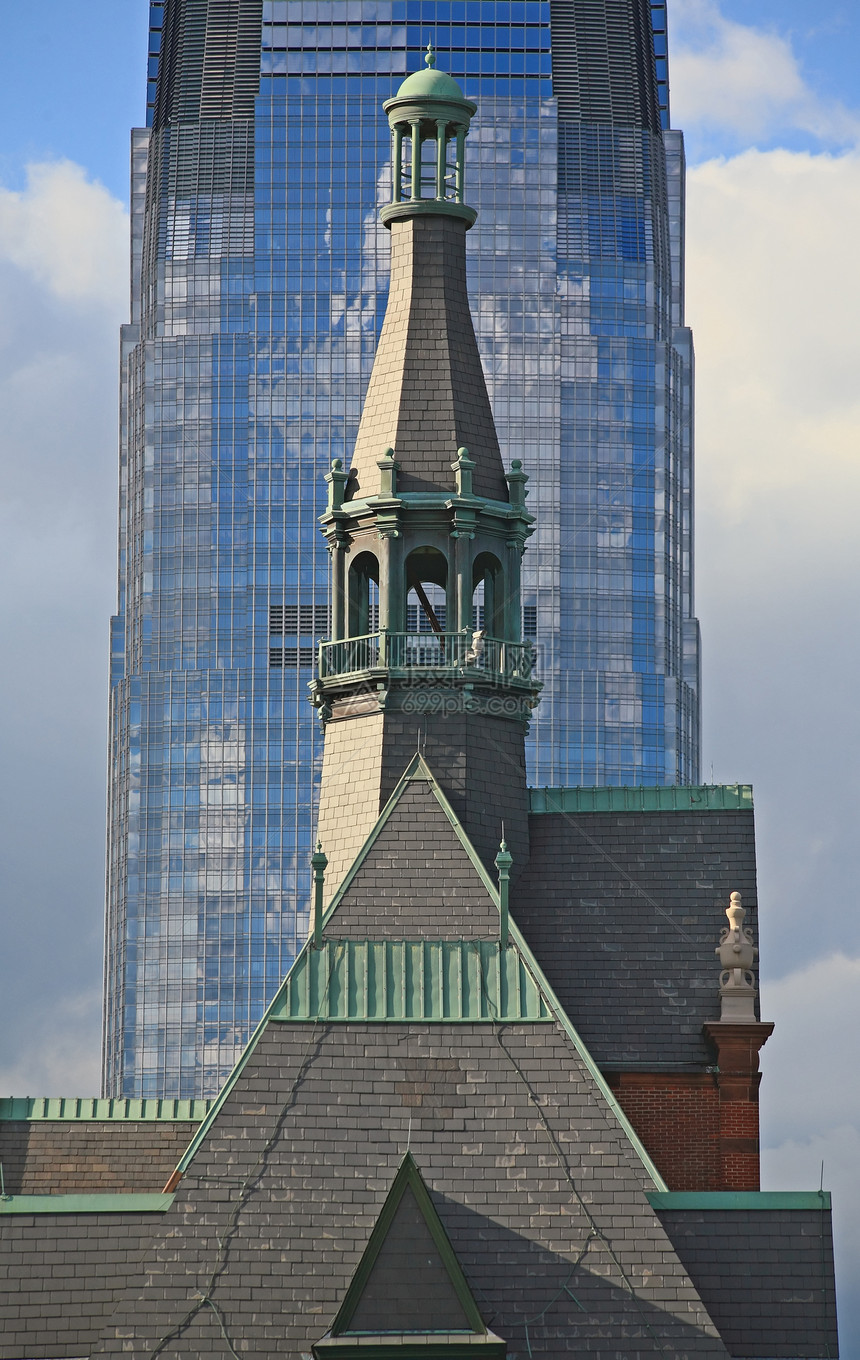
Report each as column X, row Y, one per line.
column 740, row 1199
column 408, row 1178
column 83, row 1108
column 675, row 798
column 85, row 1204
column 430, row 981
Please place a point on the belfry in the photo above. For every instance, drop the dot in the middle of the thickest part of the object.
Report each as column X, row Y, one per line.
column 426, row 529
column 505, row 1102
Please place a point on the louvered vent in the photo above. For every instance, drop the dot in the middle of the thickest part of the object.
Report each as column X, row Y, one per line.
column 603, row 62
column 299, row 619
column 210, row 60
column 231, row 58
column 291, row 658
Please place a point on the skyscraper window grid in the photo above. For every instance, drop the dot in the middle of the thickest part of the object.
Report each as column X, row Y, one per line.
column 260, row 293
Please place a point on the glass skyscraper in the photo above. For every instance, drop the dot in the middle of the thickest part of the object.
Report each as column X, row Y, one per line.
column 259, row 276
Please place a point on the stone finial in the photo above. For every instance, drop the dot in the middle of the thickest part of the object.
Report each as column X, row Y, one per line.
column 336, row 480
column 388, row 468
column 516, row 480
column 737, row 953
column 463, row 469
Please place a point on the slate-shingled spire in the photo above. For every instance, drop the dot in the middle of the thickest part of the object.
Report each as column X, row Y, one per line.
column 427, row 395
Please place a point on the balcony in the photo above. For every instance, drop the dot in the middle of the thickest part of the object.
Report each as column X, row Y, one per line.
column 442, row 654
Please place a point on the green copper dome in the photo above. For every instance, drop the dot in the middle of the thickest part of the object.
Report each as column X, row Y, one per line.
column 430, row 84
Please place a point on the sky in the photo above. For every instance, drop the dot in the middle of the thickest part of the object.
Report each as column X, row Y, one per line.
column 768, row 94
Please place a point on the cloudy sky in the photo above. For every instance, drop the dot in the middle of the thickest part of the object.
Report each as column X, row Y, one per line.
column 767, row 92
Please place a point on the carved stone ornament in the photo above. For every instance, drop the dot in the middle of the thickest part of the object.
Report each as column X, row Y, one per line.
column 737, row 954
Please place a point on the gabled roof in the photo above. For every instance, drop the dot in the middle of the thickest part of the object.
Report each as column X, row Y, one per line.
column 531, row 1175
column 343, row 983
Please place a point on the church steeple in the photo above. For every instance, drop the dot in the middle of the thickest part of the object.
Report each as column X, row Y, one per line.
column 427, row 395
column 426, row 533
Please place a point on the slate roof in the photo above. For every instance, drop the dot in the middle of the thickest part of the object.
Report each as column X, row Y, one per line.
column 528, row 1169
column 764, row 1273
column 61, row 1156
column 539, row 1186
column 624, row 912
column 61, row 1277
column 417, row 880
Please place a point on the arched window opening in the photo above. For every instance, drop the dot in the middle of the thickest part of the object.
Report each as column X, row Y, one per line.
column 488, row 595
column 363, row 595
column 426, row 591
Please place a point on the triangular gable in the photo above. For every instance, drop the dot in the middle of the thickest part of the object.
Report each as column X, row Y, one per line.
column 417, row 876
column 409, row 1278
column 408, row 1288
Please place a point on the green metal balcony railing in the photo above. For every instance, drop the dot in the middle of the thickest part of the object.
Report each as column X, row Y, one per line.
column 427, row 652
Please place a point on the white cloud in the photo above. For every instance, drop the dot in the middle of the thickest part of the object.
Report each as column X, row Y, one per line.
column 68, row 233
column 63, row 290
column 744, row 80
column 773, row 296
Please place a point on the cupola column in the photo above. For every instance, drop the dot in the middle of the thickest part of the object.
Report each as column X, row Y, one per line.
column 463, row 581
column 460, row 178
column 336, row 481
column 397, row 163
column 441, row 156
column 338, row 591
column 415, row 124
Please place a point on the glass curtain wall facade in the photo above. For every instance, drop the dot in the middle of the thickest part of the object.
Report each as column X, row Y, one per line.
column 259, row 286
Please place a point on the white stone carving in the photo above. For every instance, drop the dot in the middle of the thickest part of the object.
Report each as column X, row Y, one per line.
column 737, row 954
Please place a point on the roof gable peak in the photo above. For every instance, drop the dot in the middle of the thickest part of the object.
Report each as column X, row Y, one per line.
column 417, row 771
